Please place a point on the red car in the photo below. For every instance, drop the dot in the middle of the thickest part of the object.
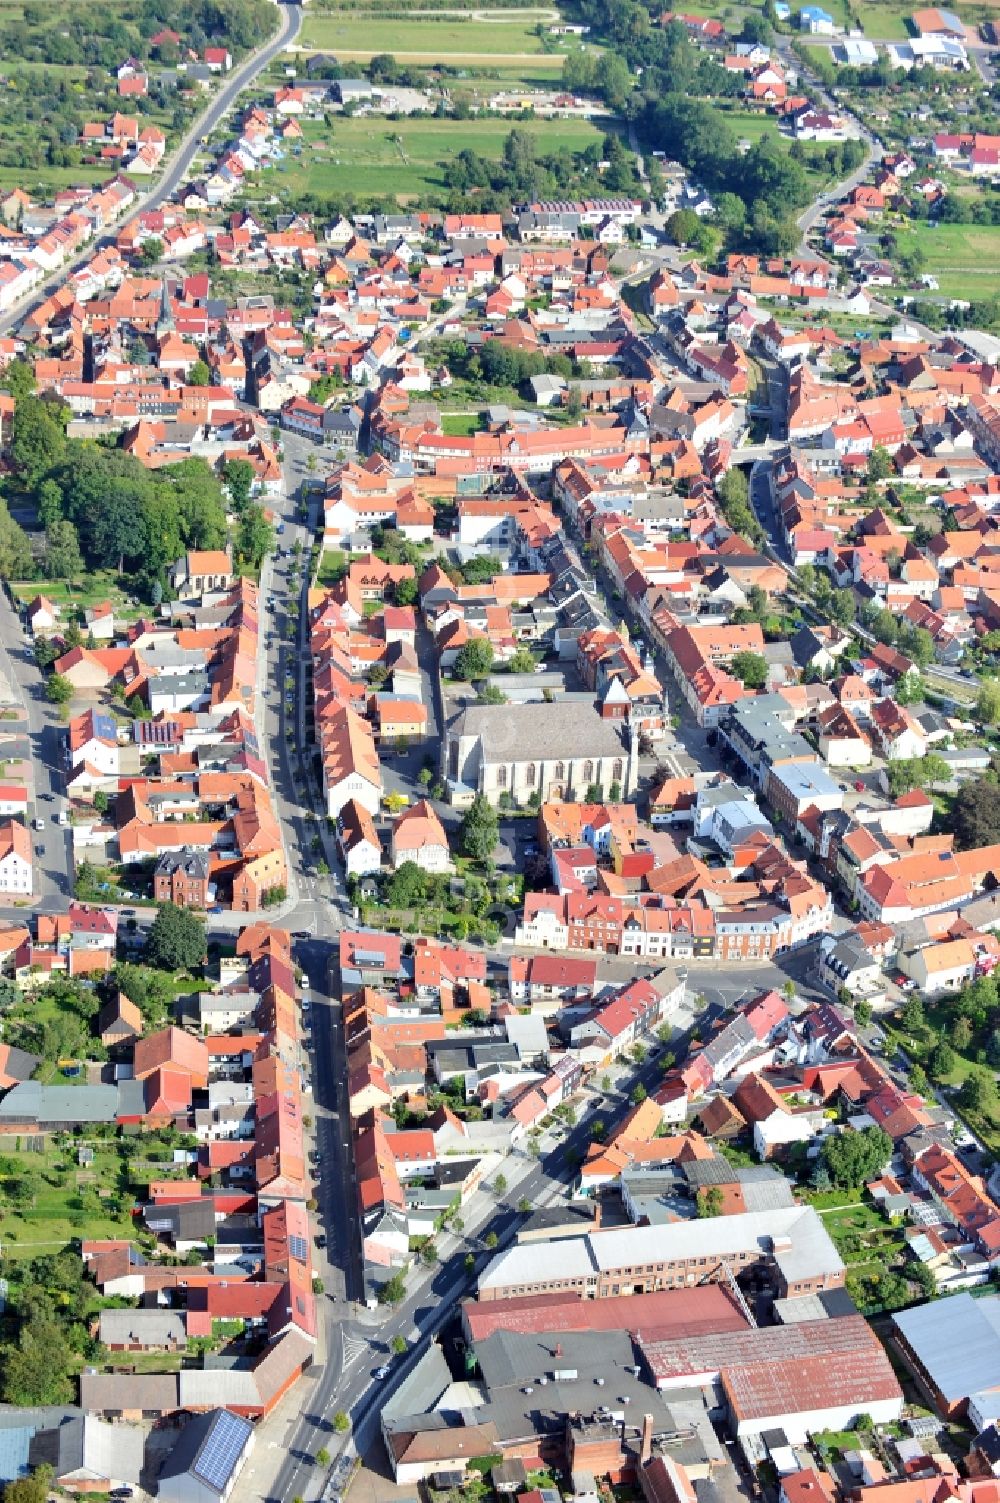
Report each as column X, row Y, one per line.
column 859, row 786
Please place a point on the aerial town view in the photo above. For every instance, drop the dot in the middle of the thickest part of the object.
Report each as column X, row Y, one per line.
column 499, row 751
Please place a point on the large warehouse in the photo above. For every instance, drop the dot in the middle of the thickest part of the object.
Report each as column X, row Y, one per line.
column 953, row 1346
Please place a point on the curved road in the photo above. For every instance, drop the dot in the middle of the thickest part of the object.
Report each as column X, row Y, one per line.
column 179, row 163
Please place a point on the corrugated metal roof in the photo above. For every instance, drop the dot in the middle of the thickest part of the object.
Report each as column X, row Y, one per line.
column 957, row 1341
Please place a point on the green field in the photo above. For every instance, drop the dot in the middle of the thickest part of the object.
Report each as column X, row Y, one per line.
column 439, row 40
column 965, row 258
column 751, row 125
column 97, row 586
column 883, row 21
column 375, row 158
column 68, row 1202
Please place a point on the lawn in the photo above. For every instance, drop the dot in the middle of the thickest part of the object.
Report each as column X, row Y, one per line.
column 751, row 126
column 436, row 39
column 68, row 1204
column 96, row 586
column 883, row 21
column 965, row 258
column 461, row 424
column 375, row 158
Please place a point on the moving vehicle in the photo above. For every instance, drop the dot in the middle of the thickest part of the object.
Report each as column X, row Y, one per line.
column 39, row 823
column 382, row 1372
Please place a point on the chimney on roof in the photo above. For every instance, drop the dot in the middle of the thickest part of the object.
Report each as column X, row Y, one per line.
column 646, row 1449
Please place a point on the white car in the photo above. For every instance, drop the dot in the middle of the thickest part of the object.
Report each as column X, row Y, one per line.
column 382, row 1372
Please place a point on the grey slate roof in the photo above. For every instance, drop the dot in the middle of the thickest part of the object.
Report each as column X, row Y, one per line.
column 518, row 733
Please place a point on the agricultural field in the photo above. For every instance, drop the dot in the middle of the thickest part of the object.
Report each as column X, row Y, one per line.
column 403, row 159
column 964, row 258
column 434, row 39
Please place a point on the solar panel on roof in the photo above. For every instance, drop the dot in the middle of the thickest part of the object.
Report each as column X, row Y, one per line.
column 297, row 1248
column 222, row 1449
column 370, row 957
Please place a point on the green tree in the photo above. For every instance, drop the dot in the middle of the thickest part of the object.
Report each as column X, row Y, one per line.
column 500, row 1184
column 852, row 1158
column 398, row 1345
column 912, row 1014
column 407, row 888
column 176, row 939
column 322, row 1457
column 918, row 1080
column 750, row 668
column 491, row 1239
column 255, row 537
column 638, row 1094
column 523, row 661
column 474, row 660
column 406, row 592
column 46, row 652
column 33, row 1489
column 238, row 475
column 63, row 559
column 16, row 560
column 682, row 227
column 479, row 831
column 341, row 1422
column 38, row 438
column 199, row 374
column 862, row 1014
column 879, row 464
column 975, row 815
column 978, row 1092
column 710, row 1202
column 58, row 690
column 988, row 701
column 942, row 1061
column 924, row 1278
column 393, row 1290
column 36, row 1368
column 19, row 379
column 961, row 1034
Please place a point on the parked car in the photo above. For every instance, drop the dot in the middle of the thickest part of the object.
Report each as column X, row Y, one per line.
column 859, row 785
column 382, row 1372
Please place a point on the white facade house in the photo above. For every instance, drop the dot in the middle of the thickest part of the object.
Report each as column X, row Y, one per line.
column 15, row 859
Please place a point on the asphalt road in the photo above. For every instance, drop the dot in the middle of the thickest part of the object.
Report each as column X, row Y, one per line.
column 181, row 159
column 52, row 847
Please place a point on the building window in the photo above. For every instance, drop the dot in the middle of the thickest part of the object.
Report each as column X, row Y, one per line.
column 617, row 770
column 560, row 770
column 501, row 777
column 531, row 774
column 588, row 771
